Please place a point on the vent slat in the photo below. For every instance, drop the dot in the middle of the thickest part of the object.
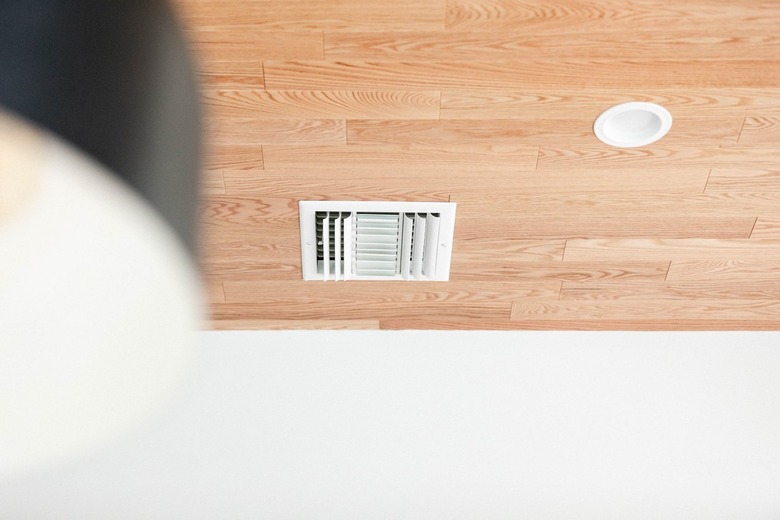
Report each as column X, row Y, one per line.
column 348, row 246
column 337, row 245
column 431, row 245
column 406, row 246
column 326, row 247
column 418, row 245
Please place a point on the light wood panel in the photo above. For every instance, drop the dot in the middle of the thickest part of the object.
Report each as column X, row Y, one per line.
column 672, row 249
column 323, row 104
column 761, row 130
column 558, row 102
column 606, row 15
column 692, row 43
column 746, row 271
column 479, row 157
column 248, row 45
column 296, row 15
column 766, row 229
column 490, row 104
column 568, row 73
column 575, row 131
column 260, row 131
column 261, row 324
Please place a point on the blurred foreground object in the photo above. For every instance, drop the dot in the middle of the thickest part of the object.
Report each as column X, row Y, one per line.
column 99, row 302
column 114, row 79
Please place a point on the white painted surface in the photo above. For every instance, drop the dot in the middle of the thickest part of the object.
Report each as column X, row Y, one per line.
column 444, row 425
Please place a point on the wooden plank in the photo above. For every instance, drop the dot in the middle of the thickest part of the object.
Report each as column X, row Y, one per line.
column 626, row 271
column 234, row 157
column 247, row 44
column 260, row 131
column 760, row 130
column 230, row 74
column 297, row 15
column 650, row 310
column 640, row 224
column 249, row 210
column 607, row 15
column 405, row 178
column 684, row 291
column 622, row 201
column 323, row 104
column 556, row 102
column 212, row 183
column 724, row 271
column 766, row 229
column 351, row 157
column 648, row 324
column 377, row 293
column 247, row 249
column 290, row 309
column 261, row 324
column 499, row 250
column 744, row 179
column 663, row 153
column 510, row 43
column 576, row 131
column 569, row 73
column 649, row 250
column 298, row 185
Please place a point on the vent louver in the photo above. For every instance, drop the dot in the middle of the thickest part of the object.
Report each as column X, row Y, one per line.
column 342, row 240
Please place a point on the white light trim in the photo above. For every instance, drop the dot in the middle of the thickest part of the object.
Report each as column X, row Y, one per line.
column 632, row 124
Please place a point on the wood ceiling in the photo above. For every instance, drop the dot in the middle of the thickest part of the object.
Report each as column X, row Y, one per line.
column 490, row 104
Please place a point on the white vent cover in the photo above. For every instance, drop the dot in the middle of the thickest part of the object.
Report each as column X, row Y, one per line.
column 359, row 240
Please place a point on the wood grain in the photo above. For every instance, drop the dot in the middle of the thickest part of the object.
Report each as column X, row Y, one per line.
column 337, row 308
column 672, row 249
column 618, row 271
column 737, row 180
column 384, row 157
column 654, row 156
column 587, row 201
column 254, row 46
column 743, row 311
column 679, row 291
column 323, row 104
column 760, row 130
column 585, row 323
column 554, row 101
column 576, row 131
column 512, row 42
column 258, row 324
column 234, row 157
column 260, row 131
column 333, row 185
column 377, row 293
column 569, row 73
column 490, row 104
column 731, row 271
column 766, row 229
column 297, row 15
column 639, row 225
column 604, row 15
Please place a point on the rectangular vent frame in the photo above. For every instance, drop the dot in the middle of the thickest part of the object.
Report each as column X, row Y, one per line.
column 367, row 240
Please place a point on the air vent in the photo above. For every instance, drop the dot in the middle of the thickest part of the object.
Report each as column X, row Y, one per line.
column 343, row 240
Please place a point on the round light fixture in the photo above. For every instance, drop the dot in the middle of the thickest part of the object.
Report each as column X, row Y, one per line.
column 632, row 124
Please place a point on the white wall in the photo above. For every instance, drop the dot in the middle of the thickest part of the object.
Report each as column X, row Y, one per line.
column 429, row 425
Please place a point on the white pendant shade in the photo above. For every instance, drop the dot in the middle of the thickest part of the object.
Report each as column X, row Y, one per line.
column 98, row 307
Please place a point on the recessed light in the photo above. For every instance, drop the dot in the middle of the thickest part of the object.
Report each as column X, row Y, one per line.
column 632, row 124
